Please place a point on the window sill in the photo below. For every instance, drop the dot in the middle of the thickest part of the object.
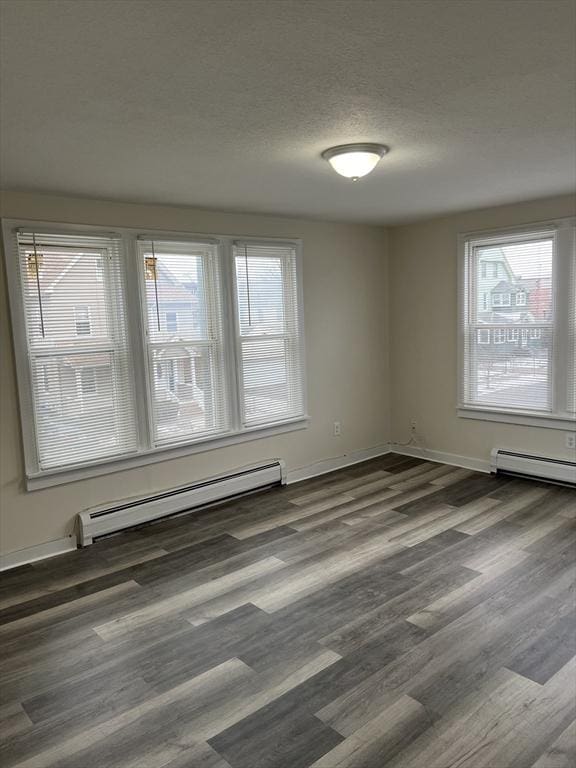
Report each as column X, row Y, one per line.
column 82, row 472
column 545, row 420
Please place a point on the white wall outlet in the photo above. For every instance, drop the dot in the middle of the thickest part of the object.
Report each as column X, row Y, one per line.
column 571, row 440
column 337, row 429
column 413, row 425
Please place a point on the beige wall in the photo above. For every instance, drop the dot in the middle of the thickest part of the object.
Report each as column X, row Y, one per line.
column 423, row 311
column 347, row 283
column 345, row 279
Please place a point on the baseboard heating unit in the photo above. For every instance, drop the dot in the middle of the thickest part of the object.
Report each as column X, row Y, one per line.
column 102, row 521
column 535, row 467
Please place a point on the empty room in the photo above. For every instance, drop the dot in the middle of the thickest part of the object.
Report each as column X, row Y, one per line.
column 288, row 384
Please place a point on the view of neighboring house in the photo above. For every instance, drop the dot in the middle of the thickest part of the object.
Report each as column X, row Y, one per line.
column 176, row 319
column 507, row 300
column 69, row 330
column 74, row 334
column 72, row 319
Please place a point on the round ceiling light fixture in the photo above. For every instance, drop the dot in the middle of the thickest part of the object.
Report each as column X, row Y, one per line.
column 354, row 160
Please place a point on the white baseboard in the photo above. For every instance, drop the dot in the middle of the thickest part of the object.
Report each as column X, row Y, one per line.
column 37, row 552
column 338, row 462
column 467, row 462
column 67, row 544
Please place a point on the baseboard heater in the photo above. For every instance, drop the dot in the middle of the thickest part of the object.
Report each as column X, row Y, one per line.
column 102, row 521
column 535, row 467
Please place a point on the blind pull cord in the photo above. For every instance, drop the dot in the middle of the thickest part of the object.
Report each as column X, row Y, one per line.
column 247, row 285
column 38, row 287
column 154, row 263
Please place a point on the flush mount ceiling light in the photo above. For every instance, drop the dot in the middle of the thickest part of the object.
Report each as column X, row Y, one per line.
column 354, row 160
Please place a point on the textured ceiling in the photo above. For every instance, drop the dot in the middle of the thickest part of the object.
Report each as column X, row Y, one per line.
column 228, row 105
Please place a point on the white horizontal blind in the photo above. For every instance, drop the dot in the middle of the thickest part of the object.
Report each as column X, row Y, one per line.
column 78, row 351
column 571, row 334
column 509, row 322
column 185, row 340
column 269, row 334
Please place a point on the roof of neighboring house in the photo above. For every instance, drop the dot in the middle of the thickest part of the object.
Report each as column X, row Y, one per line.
column 52, row 266
column 532, row 283
column 505, row 286
column 55, row 265
column 170, row 288
column 523, row 284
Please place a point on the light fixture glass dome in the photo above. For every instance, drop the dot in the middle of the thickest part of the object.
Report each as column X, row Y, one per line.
column 354, row 160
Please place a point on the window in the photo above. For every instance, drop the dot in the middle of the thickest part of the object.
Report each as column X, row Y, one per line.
column 82, row 320
column 500, row 299
column 483, row 335
column 134, row 347
column 267, row 330
column 499, row 335
column 67, row 340
column 189, row 381
column 520, row 299
column 528, row 371
column 88, row 381
column 171, row 320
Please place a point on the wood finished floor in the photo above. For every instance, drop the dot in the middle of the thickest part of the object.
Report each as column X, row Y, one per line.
column 397, row 614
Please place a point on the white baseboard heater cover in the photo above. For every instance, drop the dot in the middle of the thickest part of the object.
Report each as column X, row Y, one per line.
column 536, row 467
column 101, row 521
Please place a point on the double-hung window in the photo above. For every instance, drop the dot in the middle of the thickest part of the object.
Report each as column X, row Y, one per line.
column 517, row 359
column 133, row 348
column 267, row 328
column 76, row 373
column 187, row 368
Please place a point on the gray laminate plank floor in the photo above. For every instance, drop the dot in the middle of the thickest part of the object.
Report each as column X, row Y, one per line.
column 396, row 614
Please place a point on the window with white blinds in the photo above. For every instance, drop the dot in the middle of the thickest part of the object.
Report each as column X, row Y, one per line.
column 78, row 353
column 129, row 345
column 185, row 339
column 268, row 328
column 517, row 330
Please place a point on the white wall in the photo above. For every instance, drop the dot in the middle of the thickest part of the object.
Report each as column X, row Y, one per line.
column 346, row 319
column 423, row 311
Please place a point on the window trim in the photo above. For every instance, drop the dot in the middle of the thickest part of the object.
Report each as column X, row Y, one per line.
column 565, row 232
column 147, row 453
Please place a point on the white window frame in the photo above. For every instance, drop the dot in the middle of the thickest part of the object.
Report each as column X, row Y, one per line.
column 564, row 273
column 146, row 453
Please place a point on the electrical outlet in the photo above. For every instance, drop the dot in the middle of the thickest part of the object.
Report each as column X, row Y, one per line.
column 413, row 425
column 571, row 440
column 337, row 429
